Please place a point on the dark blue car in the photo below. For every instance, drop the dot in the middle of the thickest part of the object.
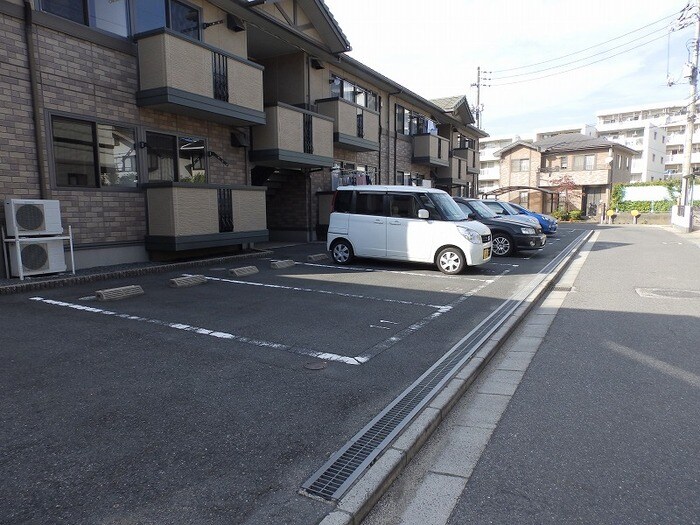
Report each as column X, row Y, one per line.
column 548, row 223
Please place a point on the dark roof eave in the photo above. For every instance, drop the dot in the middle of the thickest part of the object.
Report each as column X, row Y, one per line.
column 268, row 24
column 614, row 145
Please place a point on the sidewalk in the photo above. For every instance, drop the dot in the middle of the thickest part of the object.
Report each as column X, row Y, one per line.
column 590, row 413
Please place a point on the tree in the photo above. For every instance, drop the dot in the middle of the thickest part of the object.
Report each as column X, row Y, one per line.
column 566, row 185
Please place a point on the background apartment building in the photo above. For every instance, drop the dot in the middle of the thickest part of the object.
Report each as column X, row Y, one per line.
column 168, row 127
column 569, row 170
column 656, row 132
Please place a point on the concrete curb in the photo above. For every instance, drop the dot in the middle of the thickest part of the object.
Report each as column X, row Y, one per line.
column 362, row 496
column 71, row 280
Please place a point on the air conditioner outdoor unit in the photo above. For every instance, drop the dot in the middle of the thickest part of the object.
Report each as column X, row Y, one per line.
column 33, row 217
column 37, row 256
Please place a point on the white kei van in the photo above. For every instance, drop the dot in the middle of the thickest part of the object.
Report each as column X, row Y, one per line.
column 405, row 223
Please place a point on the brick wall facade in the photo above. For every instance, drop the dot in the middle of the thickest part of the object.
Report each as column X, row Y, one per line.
column 18, row 158
column 80, row 79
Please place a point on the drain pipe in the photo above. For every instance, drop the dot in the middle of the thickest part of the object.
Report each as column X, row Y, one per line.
column 388, row 135
column 29, row 35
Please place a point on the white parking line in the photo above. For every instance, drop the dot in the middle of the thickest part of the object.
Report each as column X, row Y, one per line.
column 324, row 292
column 212, row 333
column 403, row 334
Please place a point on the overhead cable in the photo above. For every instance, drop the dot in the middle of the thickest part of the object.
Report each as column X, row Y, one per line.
column 586, row 49
column 575, row 68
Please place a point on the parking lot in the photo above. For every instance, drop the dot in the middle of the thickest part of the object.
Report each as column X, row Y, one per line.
column 214, row 403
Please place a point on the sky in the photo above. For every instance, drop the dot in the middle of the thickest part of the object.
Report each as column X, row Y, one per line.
column 434, row 47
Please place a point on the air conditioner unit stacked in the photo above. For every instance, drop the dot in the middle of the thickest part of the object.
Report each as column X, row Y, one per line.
column 34, row 235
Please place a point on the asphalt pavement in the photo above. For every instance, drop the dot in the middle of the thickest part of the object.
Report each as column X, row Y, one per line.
column 590, row 414
column 213, row 404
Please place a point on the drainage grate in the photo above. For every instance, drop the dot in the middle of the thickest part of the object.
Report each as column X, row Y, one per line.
column 336, row 476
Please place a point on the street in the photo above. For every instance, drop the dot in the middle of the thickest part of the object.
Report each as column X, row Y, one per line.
column 601, row 427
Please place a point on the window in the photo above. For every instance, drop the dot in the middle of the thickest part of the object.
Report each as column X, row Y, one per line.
column 93, row 155
column 465, row 142
column 109, row 15
column 411, row 123
column 191, row 160
column 70, row 10
column 370, row 204
column 178, row 16
column 400, row 116
column 653, row 157
column 402, row 178
column 349, row 91
column 342, row 201
column 563, row 162
column 179, row 159
column 523, row 199
column 520, row 165
column 584, row 162
column 113, row 15
column 403, row 206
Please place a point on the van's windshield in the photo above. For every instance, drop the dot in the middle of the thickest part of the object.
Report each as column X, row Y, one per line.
column 447, row 207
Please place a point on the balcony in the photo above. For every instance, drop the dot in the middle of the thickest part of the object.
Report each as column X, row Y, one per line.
column 187, row 77
column 431, row 150
column 456, row 173
column 490, row 174
column 355, row 127
column 293, row 138
column 184, row 216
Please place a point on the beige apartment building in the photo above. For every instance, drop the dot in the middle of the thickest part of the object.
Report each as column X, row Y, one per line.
column 571, row 170
column 166, row 128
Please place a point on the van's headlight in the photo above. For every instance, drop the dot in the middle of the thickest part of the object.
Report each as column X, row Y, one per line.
column 528, row 231
column 470, row 235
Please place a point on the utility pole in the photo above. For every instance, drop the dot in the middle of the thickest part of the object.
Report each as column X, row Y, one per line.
column 477, row 109
column 687, row 177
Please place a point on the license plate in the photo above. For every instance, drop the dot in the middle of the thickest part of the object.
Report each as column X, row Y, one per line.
column 487, row 253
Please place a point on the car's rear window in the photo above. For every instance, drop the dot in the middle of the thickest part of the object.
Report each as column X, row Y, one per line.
column 342, row 202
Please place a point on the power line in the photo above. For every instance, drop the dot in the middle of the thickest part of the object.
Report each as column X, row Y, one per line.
column 665, row 30
column 588, row 48
column 575, row 68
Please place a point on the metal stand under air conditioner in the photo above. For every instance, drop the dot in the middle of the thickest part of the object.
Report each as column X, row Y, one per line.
column 17, row 240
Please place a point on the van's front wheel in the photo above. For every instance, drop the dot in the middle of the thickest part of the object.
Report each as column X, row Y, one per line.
column 341, row 251
column 450, row 260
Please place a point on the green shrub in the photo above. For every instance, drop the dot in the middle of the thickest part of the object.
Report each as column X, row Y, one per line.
column 575, row 215
column 560, row 215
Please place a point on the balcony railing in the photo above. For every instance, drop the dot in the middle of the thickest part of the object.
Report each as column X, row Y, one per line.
column 355, row 127
column 187, row 77
column 490, row 173
column 183, row 216
column 431, row 150
column 293, row 138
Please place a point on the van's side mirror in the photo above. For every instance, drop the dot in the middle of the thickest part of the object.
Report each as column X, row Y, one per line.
column 423, row 214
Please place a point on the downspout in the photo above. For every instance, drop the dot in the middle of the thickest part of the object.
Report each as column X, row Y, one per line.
column 36, row 110
column 388, row 131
